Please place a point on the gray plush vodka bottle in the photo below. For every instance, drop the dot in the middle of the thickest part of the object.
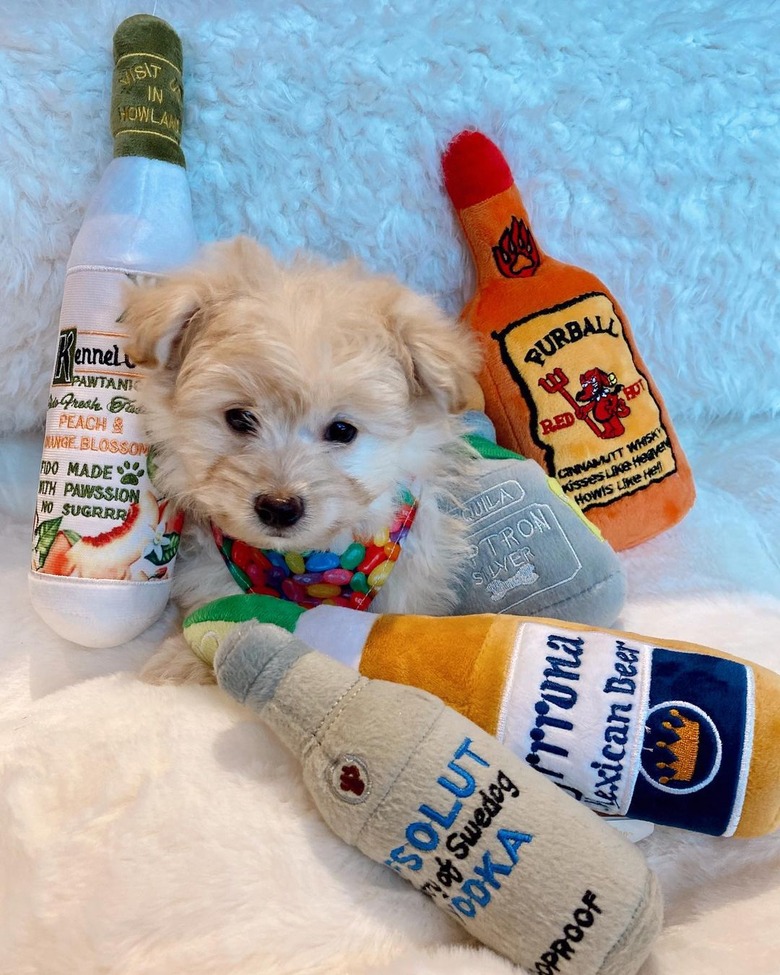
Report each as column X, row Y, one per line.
column 421, row 789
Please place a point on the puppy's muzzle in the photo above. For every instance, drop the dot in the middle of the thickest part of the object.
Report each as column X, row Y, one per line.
column 279, row 512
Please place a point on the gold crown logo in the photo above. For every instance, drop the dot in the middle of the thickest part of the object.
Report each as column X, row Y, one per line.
column 684, row 749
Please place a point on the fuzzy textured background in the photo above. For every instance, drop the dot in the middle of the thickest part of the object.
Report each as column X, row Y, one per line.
column 644, row 137
column 160, row 831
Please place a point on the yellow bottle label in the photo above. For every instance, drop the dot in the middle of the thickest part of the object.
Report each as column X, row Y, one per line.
column 592, row 411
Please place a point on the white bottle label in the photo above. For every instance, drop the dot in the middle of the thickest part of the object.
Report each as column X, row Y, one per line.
column 98, row 515
column 632, row 729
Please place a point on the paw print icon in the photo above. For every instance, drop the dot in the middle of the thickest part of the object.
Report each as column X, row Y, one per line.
column 130, row 473
column 350, row 779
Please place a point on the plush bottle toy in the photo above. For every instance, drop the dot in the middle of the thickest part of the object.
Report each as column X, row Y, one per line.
column 104, row 541
column 667, row 732
column 563, row 381
column 418, row 787
column 532, row 552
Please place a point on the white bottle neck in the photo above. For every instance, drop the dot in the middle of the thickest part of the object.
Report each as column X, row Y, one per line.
column 336, row 631
column 139, row 219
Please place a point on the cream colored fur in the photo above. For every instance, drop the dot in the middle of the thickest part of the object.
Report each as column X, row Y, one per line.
column 298, row 347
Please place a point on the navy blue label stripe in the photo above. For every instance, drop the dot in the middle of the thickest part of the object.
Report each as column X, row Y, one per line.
column 693, row 743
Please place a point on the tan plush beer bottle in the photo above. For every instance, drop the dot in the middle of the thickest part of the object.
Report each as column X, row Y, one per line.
column 104, row 541
column 563, row 380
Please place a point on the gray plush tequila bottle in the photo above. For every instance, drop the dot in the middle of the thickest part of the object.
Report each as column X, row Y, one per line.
column 416, row 786
column 532, row 551
column 104, row 541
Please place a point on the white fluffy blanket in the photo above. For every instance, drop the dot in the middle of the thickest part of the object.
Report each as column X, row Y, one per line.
column 164, row 831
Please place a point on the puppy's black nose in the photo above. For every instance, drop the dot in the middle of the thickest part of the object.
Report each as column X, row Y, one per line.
column 278, row 512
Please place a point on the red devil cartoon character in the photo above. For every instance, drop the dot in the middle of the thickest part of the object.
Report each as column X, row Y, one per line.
column 599, row 396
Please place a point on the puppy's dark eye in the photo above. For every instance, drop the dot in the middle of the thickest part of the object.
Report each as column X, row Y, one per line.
column 340, row 432
column 242, row 421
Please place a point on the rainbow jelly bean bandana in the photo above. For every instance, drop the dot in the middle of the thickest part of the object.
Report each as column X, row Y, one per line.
column 349, row 578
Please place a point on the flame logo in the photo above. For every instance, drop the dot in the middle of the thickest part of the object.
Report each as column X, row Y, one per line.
column 516, row 254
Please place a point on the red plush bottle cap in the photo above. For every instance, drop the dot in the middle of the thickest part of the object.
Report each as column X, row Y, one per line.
column 474, row 169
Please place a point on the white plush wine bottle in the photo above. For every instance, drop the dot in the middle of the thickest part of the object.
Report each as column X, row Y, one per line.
column 104, row 541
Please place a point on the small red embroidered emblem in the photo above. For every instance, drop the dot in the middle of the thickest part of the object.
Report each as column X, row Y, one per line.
column 351, row 780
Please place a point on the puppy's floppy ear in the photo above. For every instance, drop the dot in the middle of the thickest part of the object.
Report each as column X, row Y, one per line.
column 157, row 316
column 162, row 317
column 440, row 356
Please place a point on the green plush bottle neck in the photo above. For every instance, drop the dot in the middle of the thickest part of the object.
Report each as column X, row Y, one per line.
column 147, row 103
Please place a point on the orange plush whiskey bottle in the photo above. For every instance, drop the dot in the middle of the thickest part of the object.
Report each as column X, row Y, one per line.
column 563, row 380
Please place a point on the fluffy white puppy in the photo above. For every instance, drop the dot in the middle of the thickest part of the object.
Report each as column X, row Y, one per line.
column 286, row 406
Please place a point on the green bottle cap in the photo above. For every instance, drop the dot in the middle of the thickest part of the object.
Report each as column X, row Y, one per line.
column 147, row 94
